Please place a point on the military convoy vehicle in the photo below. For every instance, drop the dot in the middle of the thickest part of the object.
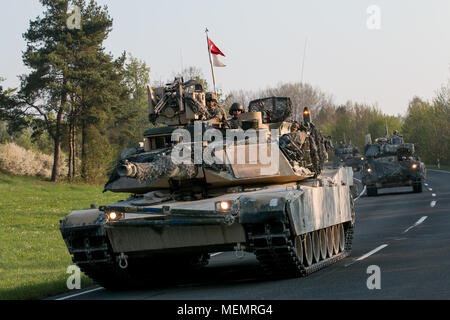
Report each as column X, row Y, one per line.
column 265, row 193
column 389, row 162
column 346, row 154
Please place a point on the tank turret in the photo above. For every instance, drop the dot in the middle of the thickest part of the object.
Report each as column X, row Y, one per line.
column 296, row 151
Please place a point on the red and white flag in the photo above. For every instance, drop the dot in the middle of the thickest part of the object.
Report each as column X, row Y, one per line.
column 214, row 51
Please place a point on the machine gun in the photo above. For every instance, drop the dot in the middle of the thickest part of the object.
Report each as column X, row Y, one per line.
column 177, row 103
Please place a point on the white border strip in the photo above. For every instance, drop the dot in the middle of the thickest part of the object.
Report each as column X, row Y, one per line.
column 216, row 254
column 444, row 171
column 362, row 192
column 79, row 294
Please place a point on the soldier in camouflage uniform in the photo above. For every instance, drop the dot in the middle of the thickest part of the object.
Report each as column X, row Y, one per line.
column 235, row 110
column 214, row 109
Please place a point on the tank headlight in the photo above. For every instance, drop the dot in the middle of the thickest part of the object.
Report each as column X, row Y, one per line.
column 223, row 206
column 414, row 166
column 114, row 216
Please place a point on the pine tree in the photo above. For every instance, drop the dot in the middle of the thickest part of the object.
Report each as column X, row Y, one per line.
column 73, row 83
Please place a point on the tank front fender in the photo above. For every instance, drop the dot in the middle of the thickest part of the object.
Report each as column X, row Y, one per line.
column 262, row 209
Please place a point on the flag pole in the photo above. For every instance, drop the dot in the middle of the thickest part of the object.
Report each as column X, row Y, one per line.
column 210, row 61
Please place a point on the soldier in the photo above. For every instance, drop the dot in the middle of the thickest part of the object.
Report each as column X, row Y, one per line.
column 214, row 109
column 235, row 110
column 397, row 138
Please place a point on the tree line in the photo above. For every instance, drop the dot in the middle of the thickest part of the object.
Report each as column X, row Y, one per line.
column 426, row 124
column 77, row 96
column 80, row 100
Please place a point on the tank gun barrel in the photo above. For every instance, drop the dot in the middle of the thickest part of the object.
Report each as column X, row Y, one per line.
column 127, row 169
column 162, row 167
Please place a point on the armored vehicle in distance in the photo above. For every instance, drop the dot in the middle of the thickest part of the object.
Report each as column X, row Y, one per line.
column 281, row 205
column 347, row 155
column 389, row 162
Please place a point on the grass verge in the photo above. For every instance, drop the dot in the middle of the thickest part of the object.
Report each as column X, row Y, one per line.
column 434, row 167
column 33, row 255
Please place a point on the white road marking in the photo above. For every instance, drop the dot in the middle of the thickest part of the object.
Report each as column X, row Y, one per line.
column 416, row 224
column 369, row 254
column 372, row 252
column 216, row 254
column 433, row 203
column 433, row 195
column 362, row 192
column 429, row 189
column 79, row 294
column 426, row 184
column 444, row 171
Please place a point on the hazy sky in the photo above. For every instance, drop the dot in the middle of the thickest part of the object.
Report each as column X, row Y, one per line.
column 264, row 43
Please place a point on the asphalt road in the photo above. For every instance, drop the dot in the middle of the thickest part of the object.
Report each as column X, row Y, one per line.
column 406, row 235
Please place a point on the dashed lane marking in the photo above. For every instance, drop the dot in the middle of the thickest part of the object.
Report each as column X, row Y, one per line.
column 433, row 203
column 416, row 224
column 369, row 254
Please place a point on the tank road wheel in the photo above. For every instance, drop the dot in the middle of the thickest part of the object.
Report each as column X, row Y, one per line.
column 308, row 249
column 336, row 236
column 341, row 237
column 330, row 241
column 316, row 245
column 299, row 248
column 323, row 244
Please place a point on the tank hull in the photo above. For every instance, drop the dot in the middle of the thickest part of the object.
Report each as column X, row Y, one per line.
column 382, row 173
column 189, row 230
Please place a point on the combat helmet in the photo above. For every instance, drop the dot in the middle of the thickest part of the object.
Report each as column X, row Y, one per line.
column 236, row 107
column 211, row 96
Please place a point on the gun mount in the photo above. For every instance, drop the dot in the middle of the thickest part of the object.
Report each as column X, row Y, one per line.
column 177, row 103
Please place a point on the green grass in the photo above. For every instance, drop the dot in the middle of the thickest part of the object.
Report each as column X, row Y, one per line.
column 33, row 255
column 434, row 167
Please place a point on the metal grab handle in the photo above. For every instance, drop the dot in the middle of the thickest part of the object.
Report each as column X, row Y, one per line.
column 123, row 261
column 239, row 253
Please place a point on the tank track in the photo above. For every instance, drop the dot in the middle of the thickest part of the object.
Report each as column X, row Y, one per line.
column 95, row 258
column 274, row 248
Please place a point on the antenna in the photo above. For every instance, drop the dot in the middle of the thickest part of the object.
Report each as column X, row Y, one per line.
column 181, row 60
column 303, row 62
column 301, row 74
column 387, row 131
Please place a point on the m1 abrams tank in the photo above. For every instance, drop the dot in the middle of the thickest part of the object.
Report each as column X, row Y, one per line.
column 347, row 155
column 390, row 162
column 264, row 193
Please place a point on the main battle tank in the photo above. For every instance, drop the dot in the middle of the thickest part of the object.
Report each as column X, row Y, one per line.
column 346, row 154
column 197, row 188
column 389, row 162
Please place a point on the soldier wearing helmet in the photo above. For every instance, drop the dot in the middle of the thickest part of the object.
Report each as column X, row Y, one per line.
column 235, row 110
column 397, row 138
column 214, row 109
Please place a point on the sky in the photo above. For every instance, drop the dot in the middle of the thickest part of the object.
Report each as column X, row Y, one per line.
column 377, row 52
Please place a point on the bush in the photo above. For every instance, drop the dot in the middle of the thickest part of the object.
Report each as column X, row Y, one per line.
column 19, row 161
